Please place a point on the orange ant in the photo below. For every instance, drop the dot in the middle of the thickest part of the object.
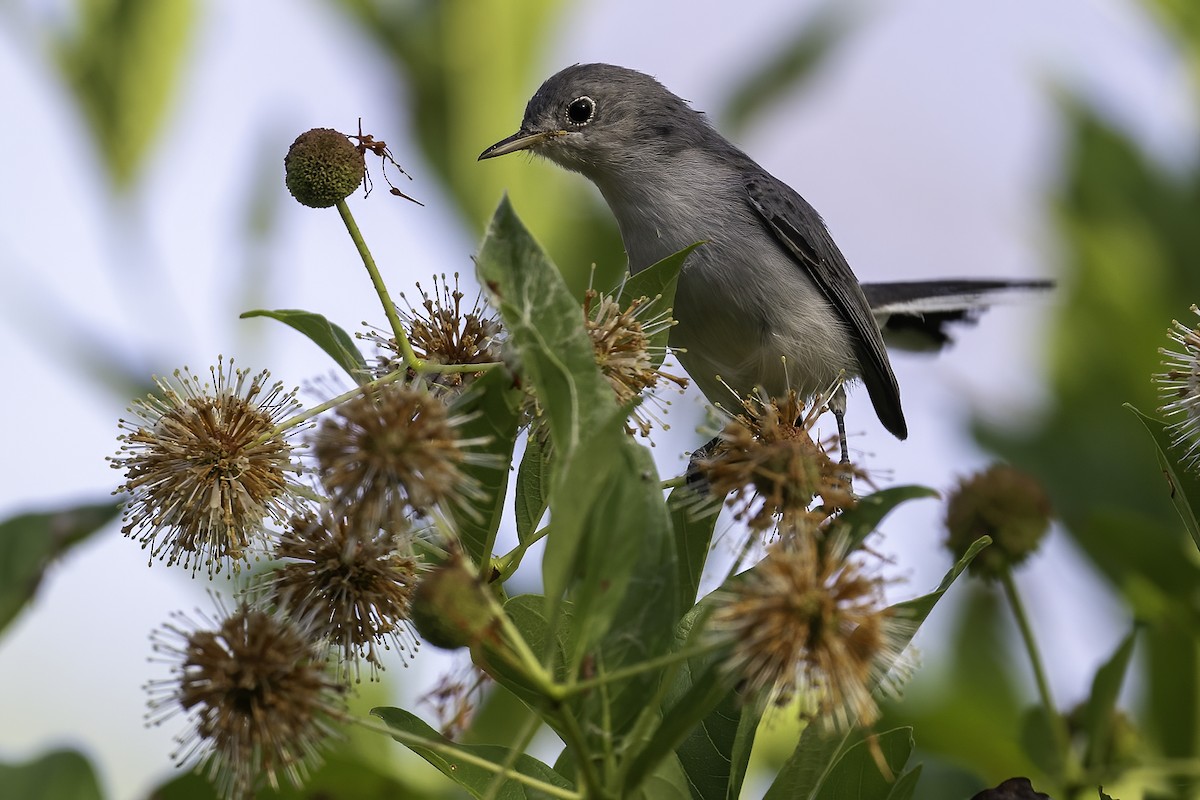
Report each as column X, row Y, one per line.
column 368, row 143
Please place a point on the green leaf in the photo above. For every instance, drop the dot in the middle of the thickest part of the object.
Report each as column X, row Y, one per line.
column 527, row 612
column 1182, row 485
column 475, row 779
column 657, row 283
column 850, row 771
column 696, row 718
column 905, row 786
column 611, row 538
column 667, row 782
column 54, row 776
column 1037, row 739
column 716, row 752
column 29, row 543
column 533, row 487
column 545, row 325
column 859, row 522
column 329, row 337
column 122, row 60
column 693, row 519
column 492, row 407
column 1102, row 702
column 918, row 609
column 810, row 764
column 611, row 544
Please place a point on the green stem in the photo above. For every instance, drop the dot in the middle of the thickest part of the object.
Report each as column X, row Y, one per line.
column 1058, row 726
column 674, row 483
column 389, row 308
column 636, row 669
column 576, row 742
column 307, row 414
column 525, row 659
column 519, row 747
column 508, row 563
column 451, row 752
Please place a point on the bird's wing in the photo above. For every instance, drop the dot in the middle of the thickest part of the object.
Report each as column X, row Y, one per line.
column 802, row 234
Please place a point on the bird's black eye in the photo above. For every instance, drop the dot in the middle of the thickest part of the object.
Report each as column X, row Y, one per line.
column 581, row 110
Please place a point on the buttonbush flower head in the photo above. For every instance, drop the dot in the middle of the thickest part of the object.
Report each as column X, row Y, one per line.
column 807, row 618
column 392, row 450
column 204, row 466
column 771, row 467
column 1179, row 388
column 259, row 698
column 322, row 167
column 441, row 331
column 1005, row 504
column 350, row 587
column 621, row 345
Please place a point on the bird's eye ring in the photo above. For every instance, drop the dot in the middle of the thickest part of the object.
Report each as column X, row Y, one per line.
column 581, row 110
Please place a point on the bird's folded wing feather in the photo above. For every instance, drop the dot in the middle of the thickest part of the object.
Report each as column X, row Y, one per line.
column 802, row 234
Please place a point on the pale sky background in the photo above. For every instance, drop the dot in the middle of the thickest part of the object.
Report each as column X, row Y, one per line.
column 928, row 144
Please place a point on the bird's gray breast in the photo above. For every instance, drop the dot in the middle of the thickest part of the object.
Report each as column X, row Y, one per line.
column 747, row 313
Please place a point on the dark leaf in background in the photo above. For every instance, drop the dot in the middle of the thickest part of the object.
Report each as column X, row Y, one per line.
column 29, row 544
column 54, row 776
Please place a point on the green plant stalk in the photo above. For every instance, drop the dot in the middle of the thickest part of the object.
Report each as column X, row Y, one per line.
column 451, row 751
column 633, row 670
column 307, row 414
column 521, row 656
column 1058, row 726
column 510, row 562
column 520, row 745
column 610, row 763
column 651, row 716
column 576, row 742
column 389, row 308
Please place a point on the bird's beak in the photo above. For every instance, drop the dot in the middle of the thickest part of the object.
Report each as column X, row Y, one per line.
column 521, row 140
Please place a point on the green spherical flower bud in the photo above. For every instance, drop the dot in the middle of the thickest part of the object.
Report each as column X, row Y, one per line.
column 450, row 608
column 1005, row 504
column 322, row 167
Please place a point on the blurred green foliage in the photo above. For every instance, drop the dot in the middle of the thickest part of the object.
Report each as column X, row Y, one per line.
column 122, row 61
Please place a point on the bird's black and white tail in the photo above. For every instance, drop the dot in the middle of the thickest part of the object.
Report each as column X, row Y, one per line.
column 918, row 316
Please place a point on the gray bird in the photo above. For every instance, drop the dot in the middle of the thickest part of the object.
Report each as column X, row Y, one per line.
column 768, row 301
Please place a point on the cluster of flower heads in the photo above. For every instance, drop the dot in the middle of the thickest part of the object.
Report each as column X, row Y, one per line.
column 810, row 617
column 216, row 475
column 223, row 472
